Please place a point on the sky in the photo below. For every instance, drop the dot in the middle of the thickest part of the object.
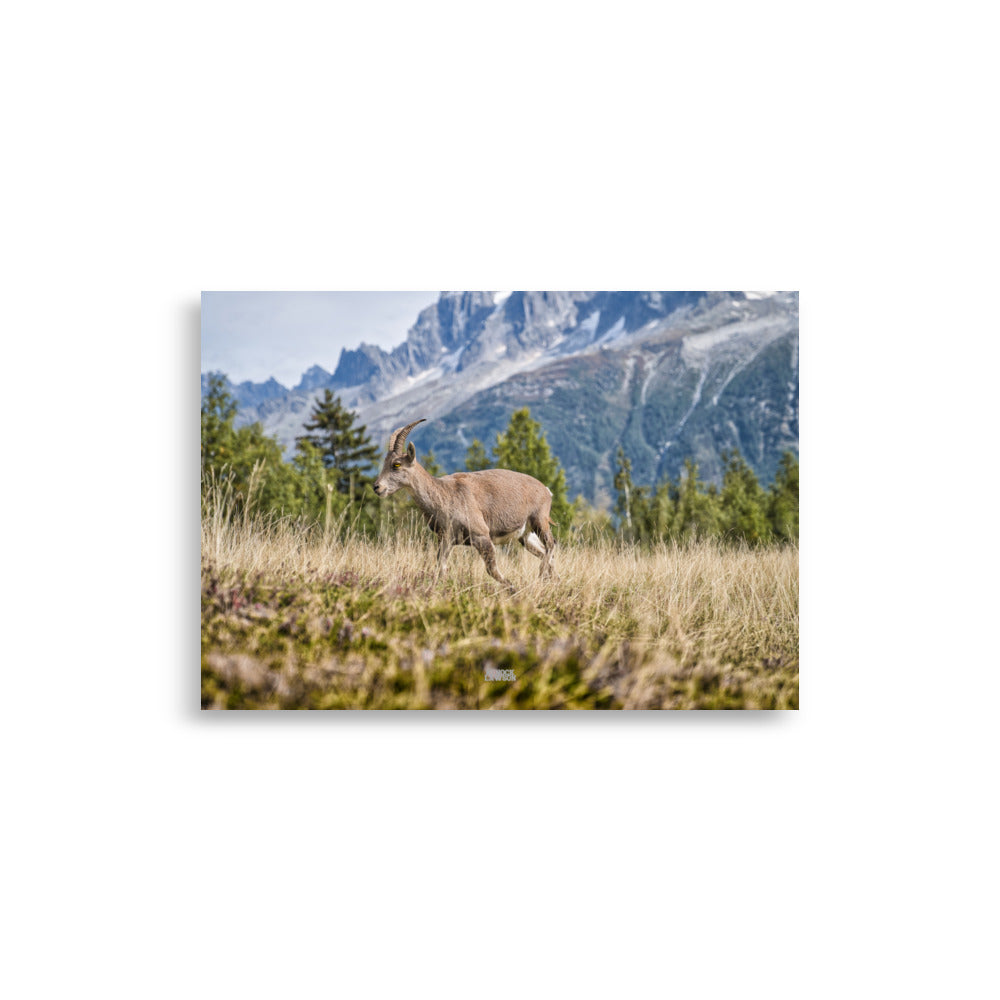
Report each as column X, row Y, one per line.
column 257, row 335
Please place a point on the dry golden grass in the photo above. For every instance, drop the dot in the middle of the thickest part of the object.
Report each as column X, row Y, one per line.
column 292, row 620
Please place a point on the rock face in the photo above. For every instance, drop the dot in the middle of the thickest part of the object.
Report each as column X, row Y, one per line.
column 313, row 379
column 251, row 395
column 362, row 365
column 665, row 374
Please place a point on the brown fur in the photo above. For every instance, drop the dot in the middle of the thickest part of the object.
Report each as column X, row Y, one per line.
column 472, row 508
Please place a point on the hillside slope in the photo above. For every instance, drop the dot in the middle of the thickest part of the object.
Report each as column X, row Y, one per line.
column 665, row 374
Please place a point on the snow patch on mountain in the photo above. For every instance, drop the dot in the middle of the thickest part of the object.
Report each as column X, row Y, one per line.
column 431, row 373
column 502, row 349
column 450, row 359
column 612, row 334
column 697, row 346
column 589, row 325
column 695, row 400
column 651, row 371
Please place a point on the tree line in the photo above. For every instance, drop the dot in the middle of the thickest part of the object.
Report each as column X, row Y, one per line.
column 740, row 511
column 327, row 481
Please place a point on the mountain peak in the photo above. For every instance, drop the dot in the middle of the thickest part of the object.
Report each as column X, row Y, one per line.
column 358, row 365
column 316, row 377
column 667, row 375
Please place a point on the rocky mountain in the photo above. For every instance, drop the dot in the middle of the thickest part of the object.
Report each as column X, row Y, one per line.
column 313, row 379
column 665, row 374
column 251, row 396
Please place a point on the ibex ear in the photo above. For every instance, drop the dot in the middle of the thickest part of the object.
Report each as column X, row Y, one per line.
column 411, row 453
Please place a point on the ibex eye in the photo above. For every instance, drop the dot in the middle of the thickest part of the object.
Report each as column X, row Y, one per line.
column 395, row 465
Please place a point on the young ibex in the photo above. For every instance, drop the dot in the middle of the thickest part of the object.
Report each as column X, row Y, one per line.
column 472, row 508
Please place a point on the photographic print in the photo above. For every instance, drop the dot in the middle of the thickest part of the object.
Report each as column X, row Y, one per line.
column 499, row 500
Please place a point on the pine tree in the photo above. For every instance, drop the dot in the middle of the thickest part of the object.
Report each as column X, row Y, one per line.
column 523, row 448
column 476, row 458
column 783, row 499
column 277, row 490
column 643, row 514
column 697, row 512
column 743, row 502
column 625, row 488
column 218, row 411
column 345, row 448
column 662, row 509
column 314, row 499
column 246, row 460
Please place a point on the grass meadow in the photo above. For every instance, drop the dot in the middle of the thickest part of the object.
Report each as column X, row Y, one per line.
column 293, row 619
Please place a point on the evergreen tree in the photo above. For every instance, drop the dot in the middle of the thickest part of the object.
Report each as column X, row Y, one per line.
column 632, row 503
column 783, row 499
column 697, row 512
column 273, row 486
column 345, row 449
column 218, row 411
column 743, row 502
column 523, row 448
column 644, row 515
column 662, row 510
column 313, row 498
column 245, row 460
column 476, row 458
column 625, row 489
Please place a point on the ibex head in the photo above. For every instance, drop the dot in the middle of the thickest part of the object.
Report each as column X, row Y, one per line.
column 398, row 462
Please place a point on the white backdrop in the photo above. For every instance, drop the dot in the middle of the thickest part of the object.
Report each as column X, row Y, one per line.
column 152, row 850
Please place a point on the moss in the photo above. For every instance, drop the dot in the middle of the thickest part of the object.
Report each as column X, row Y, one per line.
column 300, row 641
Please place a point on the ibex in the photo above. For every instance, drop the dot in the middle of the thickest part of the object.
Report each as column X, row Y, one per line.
column 472, row 508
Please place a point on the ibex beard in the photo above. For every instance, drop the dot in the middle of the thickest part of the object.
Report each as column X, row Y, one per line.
column 472, row 508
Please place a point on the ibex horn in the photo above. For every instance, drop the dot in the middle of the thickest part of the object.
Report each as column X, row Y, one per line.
column 398, row 438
